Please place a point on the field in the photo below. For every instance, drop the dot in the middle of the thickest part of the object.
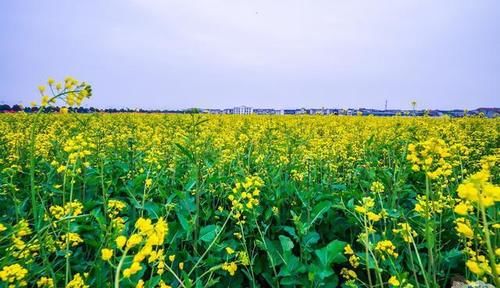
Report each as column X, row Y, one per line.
column 156, row 200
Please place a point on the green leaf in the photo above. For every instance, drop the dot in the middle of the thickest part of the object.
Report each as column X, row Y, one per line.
column 453, row 258
column 185, row 151
column 291, row 230
column 319, row 272
column 270, row 248
column 208, row 233
column 184, row 222
column 286, row 243
column 310, row 239
column 292, row 266
column 153, row 209
column 319, row 209
column 331, row 253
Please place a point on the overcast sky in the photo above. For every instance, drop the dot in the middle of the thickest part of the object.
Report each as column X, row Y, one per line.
column 280, row 54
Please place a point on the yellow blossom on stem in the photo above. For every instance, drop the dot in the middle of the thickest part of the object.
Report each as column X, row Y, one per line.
column 394, row 281
column 106, row 254
column 230, row 267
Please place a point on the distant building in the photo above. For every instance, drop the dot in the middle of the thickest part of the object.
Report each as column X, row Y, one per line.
column 266, row 111
column 289, row 111
column 315, row 111
column 213, row 111
column 242, row 110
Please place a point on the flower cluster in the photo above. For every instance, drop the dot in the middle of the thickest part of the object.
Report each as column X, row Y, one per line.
column 147, row 238
column 432, row 157
column 14, row 275
column 464, row 228
column 78, row 148
column 479, row 190
column 21, row 248
column 72, row 92
column 427, row 208
column 70, row 209
column 115, row 207
column 245, row 196
column 77, row 282
column 377, row 187
column 45, row 282
column 385, row 247
column 366, row 208
column 353, row 261
column 230, row 267
column 406, row 232
column 71, row 239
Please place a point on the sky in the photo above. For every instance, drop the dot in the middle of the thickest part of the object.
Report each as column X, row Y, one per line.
column 160, row 54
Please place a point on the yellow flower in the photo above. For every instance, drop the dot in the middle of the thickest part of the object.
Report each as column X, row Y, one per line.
column 13, row 273
column 134, row 240
column 406, row 232
column 45, row 282
column 120, row 241
column 373, row 217
column 2, row 227
column 360, row 209
column 348, row 273
column 393, row 281
column 229, row 250
column 73, row 208
column 45, row 100
column 354, row 261
column 140, row 284
column 243, row 258
column 230, row 267
column 72, row 238
column 386, row 247
column 61, row 169
column 145, row 226
column 133, row 269
column 41, row 88
column 478, row 189
column 462, row 209
column 464, row 230
column 348, row 250
column 181, row 265
column 171, row 258
column 77, row 282
column 148, row 182
column 115, row 207
column 106, row 254
column 163, row 285
column 377, row 187
column 474, row 267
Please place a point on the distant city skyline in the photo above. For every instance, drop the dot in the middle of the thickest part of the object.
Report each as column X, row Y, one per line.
column 156, row 54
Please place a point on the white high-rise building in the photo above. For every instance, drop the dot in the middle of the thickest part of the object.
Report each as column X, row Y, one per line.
column 243, row 110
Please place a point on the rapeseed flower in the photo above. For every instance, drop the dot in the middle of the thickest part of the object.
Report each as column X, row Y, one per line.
column 106, row 254
column 14, row 275
column 230, row 267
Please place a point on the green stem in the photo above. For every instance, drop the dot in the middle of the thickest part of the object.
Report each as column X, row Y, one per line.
column 429, row 236
column 119, row 268
column 211, row 244
column 491, row 253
